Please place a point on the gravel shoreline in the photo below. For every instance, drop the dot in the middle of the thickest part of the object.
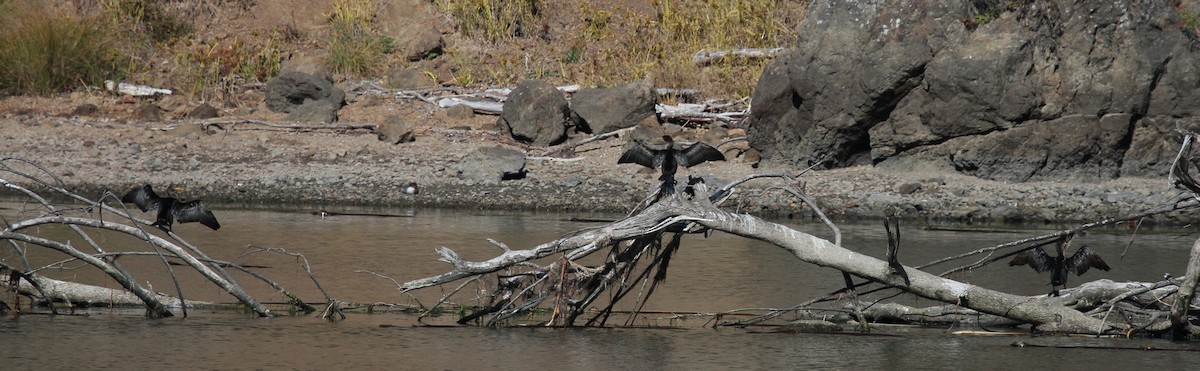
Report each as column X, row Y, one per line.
column 253, row 166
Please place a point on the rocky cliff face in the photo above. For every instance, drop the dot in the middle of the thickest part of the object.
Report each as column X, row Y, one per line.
column 1004, row 90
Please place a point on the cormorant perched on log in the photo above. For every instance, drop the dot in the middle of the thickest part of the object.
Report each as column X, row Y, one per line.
column 170, row 209
column 1059, row 266
column 669, row 159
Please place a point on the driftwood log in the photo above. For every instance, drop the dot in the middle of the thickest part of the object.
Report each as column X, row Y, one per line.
column 707, row 57
column 803, row 246
column 566, row 287
column 172, row 250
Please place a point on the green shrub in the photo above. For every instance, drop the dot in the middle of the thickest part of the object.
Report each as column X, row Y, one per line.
column 43, row 51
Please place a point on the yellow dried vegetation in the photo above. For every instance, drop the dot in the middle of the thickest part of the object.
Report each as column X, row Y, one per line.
column 617, row 42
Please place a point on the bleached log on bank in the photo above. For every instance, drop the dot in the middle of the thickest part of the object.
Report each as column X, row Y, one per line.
column 134, row 90
column 708, row 57
column 485, row 107
column 695, row 112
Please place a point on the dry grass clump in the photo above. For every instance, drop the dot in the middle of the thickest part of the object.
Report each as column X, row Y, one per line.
column 608, row 43
column 149, row 19
column 204, row 68
column 494, row 19
column 355, row 48
column 45, row 51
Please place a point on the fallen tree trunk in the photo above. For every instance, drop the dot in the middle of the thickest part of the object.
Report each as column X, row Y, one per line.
column 82, row 295
column 808, row 248
column 16, row 236
column 1181, row 324
column 113, row 272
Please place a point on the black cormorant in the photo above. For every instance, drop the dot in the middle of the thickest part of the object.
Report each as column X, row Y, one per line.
column 669, row 159
column 1059, row 266
column 170, row 209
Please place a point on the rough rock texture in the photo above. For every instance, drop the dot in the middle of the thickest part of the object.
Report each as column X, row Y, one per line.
column 203, row 111
column 242, row 166
column 148, row 112
column 535, row 112
column 409, row 78
column 395, row 130
column 1067, row 90
column 421, row 40
column 85, row 109
column 305, row 97
column 490, row 165
column 601, row 110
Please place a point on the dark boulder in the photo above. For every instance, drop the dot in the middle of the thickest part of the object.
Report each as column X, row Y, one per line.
column 535, row 112
column 305, row 97
column 490, row 165
column 395, row 130
column 409, row 78
column 421, row 40
column 203, row 111
column 86, row 109
column 148, row 112
column 1032, row 91
column 602, row 110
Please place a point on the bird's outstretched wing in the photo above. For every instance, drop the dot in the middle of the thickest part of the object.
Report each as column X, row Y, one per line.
column 143, row 196
column 195, row 211
column 698, row 153
column 639, row 154
column 1035, row 257
column 1084, row 259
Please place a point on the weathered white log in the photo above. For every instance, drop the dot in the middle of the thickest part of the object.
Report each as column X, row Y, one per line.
column 1180, row 319
column 943, row 314
column 134, row 90
column 486, row 107
column 90, row 295
column 806, row 247
column 696, row 112
column 685, row 92
column 707, row 57
column 175, row 250
column 154, row 307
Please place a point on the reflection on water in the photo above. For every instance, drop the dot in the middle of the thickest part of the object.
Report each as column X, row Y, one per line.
column 719, row 273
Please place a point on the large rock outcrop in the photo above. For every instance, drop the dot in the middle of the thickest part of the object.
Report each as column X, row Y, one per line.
column 535, row 112
column 1065, row 90
column 305, row 97
column 601, row 110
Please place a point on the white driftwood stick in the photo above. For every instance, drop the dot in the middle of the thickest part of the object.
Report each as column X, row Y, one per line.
column 134, row 90
column 692, row 111
column 493, row 108
column 677, row 92
column 705, row 57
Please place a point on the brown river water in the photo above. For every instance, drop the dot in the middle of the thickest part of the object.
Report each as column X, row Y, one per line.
column 712, row 274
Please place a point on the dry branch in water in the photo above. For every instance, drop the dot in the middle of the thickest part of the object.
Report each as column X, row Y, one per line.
column 102, row 217
column 638, row 249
